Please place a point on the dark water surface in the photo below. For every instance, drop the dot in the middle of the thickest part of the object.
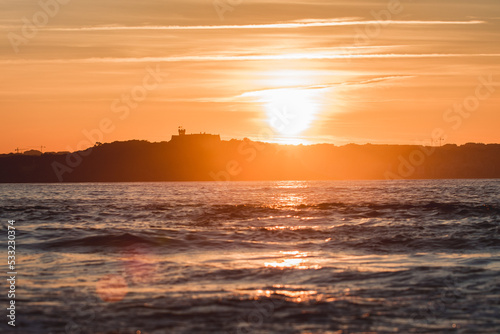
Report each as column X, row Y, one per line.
column 255, row 257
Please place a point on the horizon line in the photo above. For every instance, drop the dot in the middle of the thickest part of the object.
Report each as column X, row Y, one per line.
column 255, row 141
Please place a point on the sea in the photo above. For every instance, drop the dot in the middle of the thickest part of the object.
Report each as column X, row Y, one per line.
column 298, row 257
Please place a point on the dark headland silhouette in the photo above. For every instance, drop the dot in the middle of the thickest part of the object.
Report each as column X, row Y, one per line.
column 205, row 157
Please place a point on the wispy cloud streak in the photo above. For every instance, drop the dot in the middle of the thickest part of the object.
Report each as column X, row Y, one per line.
column 329, row 85
column 290, row 56
column 279, row 25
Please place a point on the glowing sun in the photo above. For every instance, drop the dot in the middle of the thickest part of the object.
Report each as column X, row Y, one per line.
column 291, row 104
column 290, row 111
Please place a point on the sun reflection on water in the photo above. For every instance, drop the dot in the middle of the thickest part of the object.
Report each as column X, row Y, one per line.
column 298, row 296
column 291, row 228
column 286, row 196
column 292, row 260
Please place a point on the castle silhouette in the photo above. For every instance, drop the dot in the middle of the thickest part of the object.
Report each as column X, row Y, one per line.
column 194, row 138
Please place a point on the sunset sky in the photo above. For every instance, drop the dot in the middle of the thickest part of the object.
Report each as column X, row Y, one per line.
column 331, row 71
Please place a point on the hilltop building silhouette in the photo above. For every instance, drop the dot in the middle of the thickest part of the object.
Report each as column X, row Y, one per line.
column 194, row 138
